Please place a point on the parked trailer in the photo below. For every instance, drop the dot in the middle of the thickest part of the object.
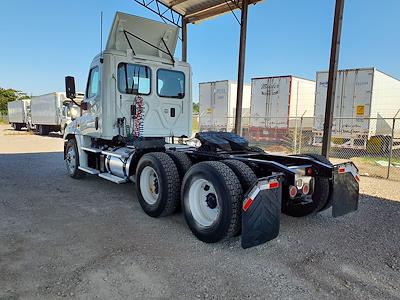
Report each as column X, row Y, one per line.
column 364, row 98
column 224, row 186
column 277, row 104
column 217, row 105
column 18, row 113
column 52, row 112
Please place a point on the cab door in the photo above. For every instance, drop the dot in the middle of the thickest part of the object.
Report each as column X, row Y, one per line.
column 91, row 105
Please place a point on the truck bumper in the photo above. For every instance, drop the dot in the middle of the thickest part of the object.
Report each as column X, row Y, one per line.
column 345, row 189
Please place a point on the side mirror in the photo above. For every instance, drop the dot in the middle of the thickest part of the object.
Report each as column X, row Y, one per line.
column 70, row 87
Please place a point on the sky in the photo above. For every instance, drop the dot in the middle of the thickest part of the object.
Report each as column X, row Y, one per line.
column 43, row 41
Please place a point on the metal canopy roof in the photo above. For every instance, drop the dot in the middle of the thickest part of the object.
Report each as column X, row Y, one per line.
column 197, row 10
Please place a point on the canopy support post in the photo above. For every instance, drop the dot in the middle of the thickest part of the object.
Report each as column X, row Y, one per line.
column 333, row 69
column 242, row 55
column 184, row 40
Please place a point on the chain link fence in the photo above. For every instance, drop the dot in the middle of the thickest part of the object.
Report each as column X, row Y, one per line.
column 373, row 144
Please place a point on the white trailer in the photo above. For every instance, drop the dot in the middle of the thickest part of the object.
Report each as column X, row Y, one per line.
column 278, row 103
column 217, row 105
column 18, row 113
column 52, row 112
column 366, row 100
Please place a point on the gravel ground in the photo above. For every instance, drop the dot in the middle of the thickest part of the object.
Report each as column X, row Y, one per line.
column 89, row 238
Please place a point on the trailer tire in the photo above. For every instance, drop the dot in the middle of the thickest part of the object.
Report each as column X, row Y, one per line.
column 321, row 196
column 182, row 162
column 157, row 181
column 72, row 160
column 208, row 186
column 18, row 126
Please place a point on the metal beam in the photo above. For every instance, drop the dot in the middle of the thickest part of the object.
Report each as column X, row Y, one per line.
column 176, row 2
column 333, row 68
column 242, row 55
column 157, row 7
column 184, row 40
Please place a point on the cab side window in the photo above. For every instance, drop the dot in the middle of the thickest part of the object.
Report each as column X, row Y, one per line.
column 93, row 83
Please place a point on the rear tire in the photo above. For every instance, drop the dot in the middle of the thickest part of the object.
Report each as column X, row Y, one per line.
column 246, row 177
column 320, row 197
column 182, row 162
column 243, row 172
column 157, row 181
column 72, row 160
column 328, row 201
column 211, row 201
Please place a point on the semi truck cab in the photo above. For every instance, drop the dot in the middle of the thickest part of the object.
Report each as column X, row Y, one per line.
column 136, row 87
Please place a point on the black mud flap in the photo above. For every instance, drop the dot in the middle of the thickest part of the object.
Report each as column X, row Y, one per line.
column 261, row 211
column 345, row 192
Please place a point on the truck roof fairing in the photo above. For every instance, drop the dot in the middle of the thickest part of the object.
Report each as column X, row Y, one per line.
column 130, row 32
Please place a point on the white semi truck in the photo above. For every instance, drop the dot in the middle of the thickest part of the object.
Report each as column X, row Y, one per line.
column 217, row 101
column 138, row 95
column 53, row 112
column 19, row 113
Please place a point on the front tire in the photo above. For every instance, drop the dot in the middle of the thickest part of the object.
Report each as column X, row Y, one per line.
column 211, row 201
column 72, row 160
column 157, row 180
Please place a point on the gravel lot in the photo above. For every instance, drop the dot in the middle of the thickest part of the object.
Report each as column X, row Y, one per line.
column 89, row 238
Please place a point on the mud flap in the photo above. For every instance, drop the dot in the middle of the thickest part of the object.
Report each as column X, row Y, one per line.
column 261, row 211
column 345, row 192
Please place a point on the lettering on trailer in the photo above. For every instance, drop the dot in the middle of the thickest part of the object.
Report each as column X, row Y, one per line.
column 270, row 89
column 324, row 84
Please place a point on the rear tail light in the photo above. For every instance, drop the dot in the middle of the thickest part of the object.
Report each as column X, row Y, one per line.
column 309, row 171
column 306, row 189
column 292, row 191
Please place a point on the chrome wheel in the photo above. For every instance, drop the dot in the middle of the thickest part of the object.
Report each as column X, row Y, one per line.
column 203, row 202
column 149, row 183
column 70, row 160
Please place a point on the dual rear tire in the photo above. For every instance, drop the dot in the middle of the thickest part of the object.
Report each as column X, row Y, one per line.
column 210, row 193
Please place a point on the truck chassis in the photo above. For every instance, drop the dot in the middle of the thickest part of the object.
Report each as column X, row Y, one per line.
column 224, row 186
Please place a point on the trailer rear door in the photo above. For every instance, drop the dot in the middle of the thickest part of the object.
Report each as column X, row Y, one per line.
column 270, row 102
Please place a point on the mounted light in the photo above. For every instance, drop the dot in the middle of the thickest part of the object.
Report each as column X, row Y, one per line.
column 306, row 189
column 309, row 171
column 299, row 183
column 292, row 191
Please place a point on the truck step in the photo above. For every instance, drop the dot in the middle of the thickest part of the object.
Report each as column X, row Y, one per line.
column 93, row 150
column 112, row 178
column 89, row 170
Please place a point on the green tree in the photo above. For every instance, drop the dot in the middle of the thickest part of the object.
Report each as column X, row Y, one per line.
column 8, row 95
column 195, row 108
